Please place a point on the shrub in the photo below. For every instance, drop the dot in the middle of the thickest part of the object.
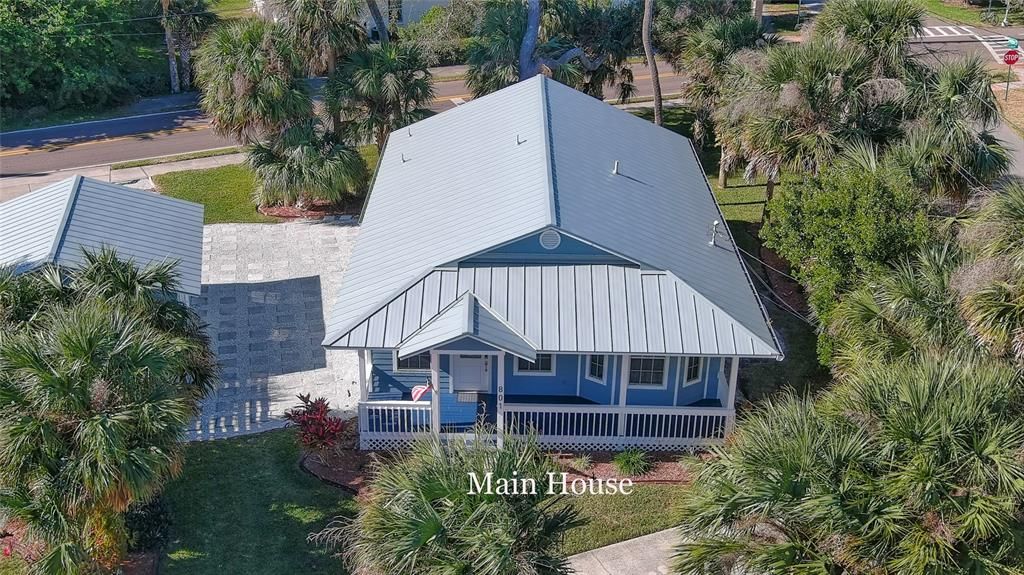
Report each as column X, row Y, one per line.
column 632, row 462
column 419, row 515
column 319, row 431
column 148, row 525
column 581, row 462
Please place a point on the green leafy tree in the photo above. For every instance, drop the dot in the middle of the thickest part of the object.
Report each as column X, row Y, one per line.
column 419, row 517
column 380, row 89
column 444, row 31
column 306, row 162
column 847, row 222
column 906, row 467
column 101, row 369
column 250, row 74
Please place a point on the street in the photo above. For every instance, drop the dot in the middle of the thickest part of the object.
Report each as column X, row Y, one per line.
column 97, row 142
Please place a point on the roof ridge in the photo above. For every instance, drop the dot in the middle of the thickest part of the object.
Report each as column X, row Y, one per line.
column 62, row 228
column 554, row 218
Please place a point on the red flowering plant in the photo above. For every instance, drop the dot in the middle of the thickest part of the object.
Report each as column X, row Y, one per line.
column 319, row 431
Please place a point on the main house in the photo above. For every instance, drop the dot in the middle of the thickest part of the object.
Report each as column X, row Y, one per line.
column 546, row 263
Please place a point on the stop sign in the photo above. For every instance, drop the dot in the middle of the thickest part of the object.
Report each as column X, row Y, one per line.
column 1010, row 58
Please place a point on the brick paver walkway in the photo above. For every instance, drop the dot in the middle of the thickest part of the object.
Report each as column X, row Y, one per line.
column 266, row 291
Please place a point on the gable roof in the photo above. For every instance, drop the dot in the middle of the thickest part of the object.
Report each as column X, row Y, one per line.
column 536, row 155
column 467, row 317
column 55, row 223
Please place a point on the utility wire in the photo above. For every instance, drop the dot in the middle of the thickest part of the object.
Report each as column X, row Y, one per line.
column 159, row 17
column 781, row 303
column 766, row 264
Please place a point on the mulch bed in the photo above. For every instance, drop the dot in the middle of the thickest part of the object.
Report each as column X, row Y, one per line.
column 344, row 468
column 313, row 210
column 665, row 470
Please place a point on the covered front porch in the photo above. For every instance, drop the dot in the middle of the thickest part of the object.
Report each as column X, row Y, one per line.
column 563, row 405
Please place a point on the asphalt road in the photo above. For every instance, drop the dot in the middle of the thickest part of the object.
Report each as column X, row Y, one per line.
column 121, row 139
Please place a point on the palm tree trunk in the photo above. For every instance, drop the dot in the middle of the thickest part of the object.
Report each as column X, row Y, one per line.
column 723, row 175
column 186, row 65
column 378, row 21
column 172, row 62
column 527, row 62
column 649, row 54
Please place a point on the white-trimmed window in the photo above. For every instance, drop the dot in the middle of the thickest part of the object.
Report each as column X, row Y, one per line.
column 544, row 365
column 692, row 370
column 647, row 371
column 597, row 366
column 418, row 362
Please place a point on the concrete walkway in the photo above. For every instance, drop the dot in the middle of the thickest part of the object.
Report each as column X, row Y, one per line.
column 11, row 188
column 647, row 555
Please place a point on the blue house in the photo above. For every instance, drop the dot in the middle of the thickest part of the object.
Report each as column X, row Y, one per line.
column 546, row 263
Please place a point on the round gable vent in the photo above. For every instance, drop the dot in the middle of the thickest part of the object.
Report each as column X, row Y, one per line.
column 550, row 239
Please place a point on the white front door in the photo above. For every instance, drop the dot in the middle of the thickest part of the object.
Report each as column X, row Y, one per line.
column 470, row 373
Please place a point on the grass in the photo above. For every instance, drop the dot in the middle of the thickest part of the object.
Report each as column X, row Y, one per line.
column 11, row 566
column 245, row 503
column 176, row 158
column 958, row 11
column 230, row 8
column 614, row 518
column 226, row 192
column 999, row 77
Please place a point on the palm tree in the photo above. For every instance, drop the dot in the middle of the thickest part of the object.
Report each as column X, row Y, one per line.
column 906, row 467
column 882, row 27
column 97, row 385
column 190, row 20
column 249, row 72
column 648, row 41
column 303, row 163
column 172, row 61
column 326, row 30
column 379, row 89
column 420, row 518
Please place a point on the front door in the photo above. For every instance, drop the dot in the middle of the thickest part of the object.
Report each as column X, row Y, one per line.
column 470, row 373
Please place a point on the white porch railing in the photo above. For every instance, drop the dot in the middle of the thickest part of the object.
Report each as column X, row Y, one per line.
column 610, row 427
column 389, row 424
column 394, row 424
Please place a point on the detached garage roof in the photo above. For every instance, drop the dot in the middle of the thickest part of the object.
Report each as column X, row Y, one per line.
column 55, row 223
column 539, row 156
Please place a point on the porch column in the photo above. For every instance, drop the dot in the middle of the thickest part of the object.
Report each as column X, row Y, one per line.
column 623, row 386
column 364, row 380
column 435, row 392
column 730, row 401
column 501, row 399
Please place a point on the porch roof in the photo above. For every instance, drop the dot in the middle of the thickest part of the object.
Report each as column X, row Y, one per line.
column 566, row 309
column 467, row 317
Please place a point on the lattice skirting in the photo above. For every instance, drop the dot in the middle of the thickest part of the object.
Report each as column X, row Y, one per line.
column 375, row 442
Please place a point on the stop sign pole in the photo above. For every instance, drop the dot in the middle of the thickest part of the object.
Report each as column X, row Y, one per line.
column 1010, row 58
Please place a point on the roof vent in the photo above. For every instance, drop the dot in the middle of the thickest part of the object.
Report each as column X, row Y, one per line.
column 550, row 239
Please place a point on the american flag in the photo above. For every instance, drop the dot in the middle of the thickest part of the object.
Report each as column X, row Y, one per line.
column 419, row 391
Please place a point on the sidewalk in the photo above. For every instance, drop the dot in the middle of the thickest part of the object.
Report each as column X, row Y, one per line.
column 11, row 188
column 647, row 555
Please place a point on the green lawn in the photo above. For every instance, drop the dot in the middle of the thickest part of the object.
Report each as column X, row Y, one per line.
column 226, row 192
column 244, row 502
column 177, row 158
column 230, row 8
column 958, row 11
column 244, row 506
column 9, row 566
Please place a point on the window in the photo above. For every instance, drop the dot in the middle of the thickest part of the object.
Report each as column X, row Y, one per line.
column 543, row 366
column 418, row 362
column 693, row 369
column 595, row 368
column 647, row 372
column 395, row 11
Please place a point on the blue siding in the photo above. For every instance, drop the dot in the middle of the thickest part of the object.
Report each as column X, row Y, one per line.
column 528, row 250
column 596, row 392
column 467, row 344
column 391, row 384
column 563, row 382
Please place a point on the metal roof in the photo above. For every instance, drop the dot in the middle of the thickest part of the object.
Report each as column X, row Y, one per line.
column 467, row 317
column 541, row 155
column 55, row 223
column 568, row 309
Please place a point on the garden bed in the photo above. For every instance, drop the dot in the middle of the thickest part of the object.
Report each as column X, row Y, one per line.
column 665, row 468
column 312, row 211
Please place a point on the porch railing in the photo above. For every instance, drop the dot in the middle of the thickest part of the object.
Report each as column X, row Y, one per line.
column 387, row 424
column 615, row 427
column 394, row 424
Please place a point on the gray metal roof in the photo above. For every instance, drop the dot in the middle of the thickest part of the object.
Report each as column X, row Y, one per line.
column 536, row 155
column 55, row 223
column 467, row 317
column 568, row 308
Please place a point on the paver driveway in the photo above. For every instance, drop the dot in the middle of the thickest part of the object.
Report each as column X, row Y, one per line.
column 266, row 290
